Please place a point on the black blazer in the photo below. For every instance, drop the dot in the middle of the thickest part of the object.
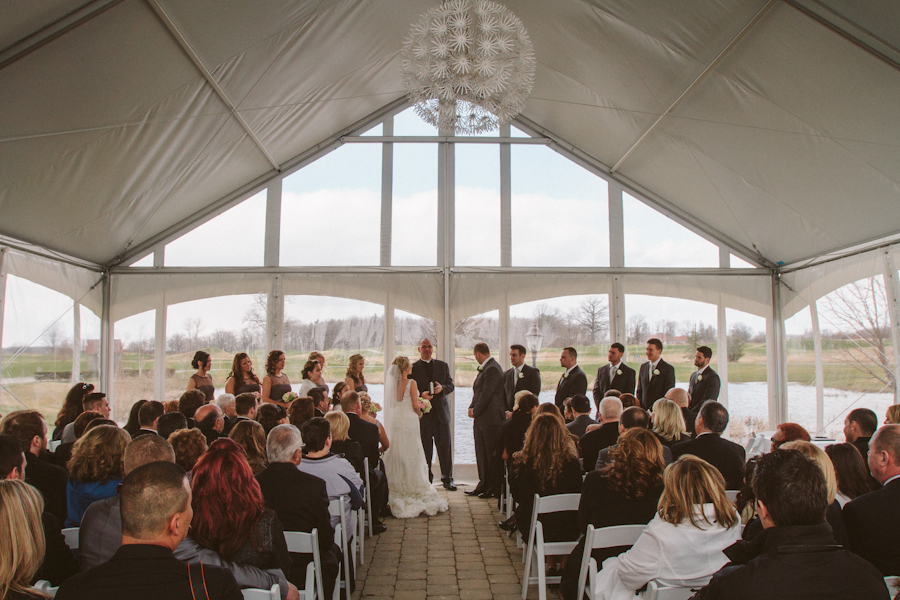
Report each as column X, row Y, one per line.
column 524, row 484
column 530, row 380
column 575, row 383
column 59, row 562
column 487, row 393
column 873, row 527
column 441, row 374
column 594, row 441
column 651, row 390
column 352, row 451
column 580, row 424
column 690, row 417
column 705, row 389
column 367, row 435
column 146, row 572
column 724, row 455
column 51, row 482
column 624, row 382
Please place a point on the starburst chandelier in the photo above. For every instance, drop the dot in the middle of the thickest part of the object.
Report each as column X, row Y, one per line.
column 468, row 66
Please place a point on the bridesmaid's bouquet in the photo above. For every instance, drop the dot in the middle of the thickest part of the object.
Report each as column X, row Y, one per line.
column 425, row 405
column 375, row 408
column 289, row 397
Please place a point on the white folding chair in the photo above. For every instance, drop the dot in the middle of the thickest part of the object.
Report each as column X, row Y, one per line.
column 335, row 508
column 43, row 586
column 53, row 445
column 260, row 594
column 891, row 581
column 604, row 537
column 538, row 549
column 308, row 543
column 732, row 495
column 71, row 536
column 369, row 516
column 656, row 591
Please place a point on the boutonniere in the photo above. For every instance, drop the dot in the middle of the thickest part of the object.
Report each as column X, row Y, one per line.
column 618, row 371
column 656, row 371
column 699, row 377
column 565, row 375
column 521, row 374
column 480, row 368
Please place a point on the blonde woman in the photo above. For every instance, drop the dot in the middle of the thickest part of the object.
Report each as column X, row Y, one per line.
column 668, row 423
column 833, row 515
column 366, row 414
column 250, row 436
column 341, row 443
column 682, row 546
column 355, row 380
column 95, row 470
column 892, row 416
column 22, row 539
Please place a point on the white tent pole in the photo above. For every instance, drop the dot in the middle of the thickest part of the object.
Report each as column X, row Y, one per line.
column 771, row 368
column 617, row 330
column 820, row 368
column 722, row 333
column 505, row 200
column 892, row 289
column 107, row 350
column 275, row 315
column 387, row 196
column 273, row 223
column 446, row 233
column 159, row 351
column 2, row 302
column 781, row 399
column 76, row 343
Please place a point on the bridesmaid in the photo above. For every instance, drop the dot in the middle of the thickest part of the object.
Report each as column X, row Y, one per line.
column 275, row 384
column 201, row 380
column 318, row 356
column 242, row 379
column 356, row 381
column 312, row 371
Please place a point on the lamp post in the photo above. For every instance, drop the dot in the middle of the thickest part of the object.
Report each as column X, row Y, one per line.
column 533, row 338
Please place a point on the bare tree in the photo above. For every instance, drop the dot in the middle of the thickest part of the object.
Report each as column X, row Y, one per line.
column 256, row 316
column 193, row 327
column 592, row 317
column 637, row 329
column 738, row 337
column 176, row 342
column 225, row 340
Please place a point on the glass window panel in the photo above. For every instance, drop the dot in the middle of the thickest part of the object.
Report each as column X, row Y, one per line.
column 414, row 211
column 735, row 262
column 514, row 132
column 654, row 240
column 468, row 332
column 234, row 238
column 801, row 369
column 90, row 345
column 478, row 204
column 133, row 350
column 376, row 131
column 331, row 209
column 409, row 123
column 409, row 330
column 147, row 261
column 748, row 391
column 560, row 211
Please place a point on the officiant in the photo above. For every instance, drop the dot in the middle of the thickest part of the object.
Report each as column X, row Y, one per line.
column 433, row 380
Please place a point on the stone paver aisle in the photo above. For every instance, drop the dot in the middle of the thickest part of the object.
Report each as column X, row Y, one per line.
column 460, row 554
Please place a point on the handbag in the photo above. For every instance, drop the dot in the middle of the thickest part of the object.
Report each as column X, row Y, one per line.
column 197, row 580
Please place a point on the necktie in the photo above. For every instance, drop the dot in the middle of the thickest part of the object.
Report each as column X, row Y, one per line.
column 652, row 366
column 612, row 372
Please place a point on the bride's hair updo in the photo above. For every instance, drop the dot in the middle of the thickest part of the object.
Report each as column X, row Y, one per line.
column 402, row 363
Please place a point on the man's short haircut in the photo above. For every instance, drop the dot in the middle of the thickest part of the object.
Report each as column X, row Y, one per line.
column 11, row 453
column 706, row 351
column 679, row 396
column 150, row 412
column 865, row 418
column 169, row 423
column 146, row 449
column 572, row 352
column 282, row 442
column 23, row 425
column 482, row 348
column 792, row 487
column 715, row 416
column 611, row 408
column 315, row 433
column 349, row 402
column 243, row 403
column 581, row 404
column 618, row 347
column 519, row 348
column 82, row 422
column 634, row 416
column 150, row 495
column 527, row 401
column 888, row 439
column 317, row 394
column 92, row 400
column 656, row 342
column 612, row 392
column 224, row 401
column 190, row 401
column 208, row 421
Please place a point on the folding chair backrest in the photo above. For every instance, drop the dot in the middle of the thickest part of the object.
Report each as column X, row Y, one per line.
column 556, row 503
column 336, row 507
column 732, row 495
column 308, row 543
column 604, row 537
column 44, row 587
column 71, row 536
column 258, row 594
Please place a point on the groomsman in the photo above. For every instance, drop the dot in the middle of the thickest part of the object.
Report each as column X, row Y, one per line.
column 705, row 383
column 435, row 424
column 573, row 381
column 614, row 376
column 487, row 410
column 519, row 377
column 656, row 377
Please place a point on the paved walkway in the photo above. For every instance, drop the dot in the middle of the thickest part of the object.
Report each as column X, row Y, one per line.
column 460, row 554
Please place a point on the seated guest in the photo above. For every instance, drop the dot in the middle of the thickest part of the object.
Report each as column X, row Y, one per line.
column 311, row 373
column 170, row 406
column 320, row 400
column 189, row 402
column 367, row 434
column 633, row 417
column 156, row 515
column 340, row 478
column 249, row 436
column 226, row 404
column 93, row 402
column 581, row 411
column 21, row 538
column 682, row 546
column 343, row 445
column 795, row 556
column 366, row 414
column 95, row 469
column 300, row 411
column 626, row 491
column 628, row 400
column 337, row 393
column 859, row 426
column 245, row 406
column 788, row 432
column 269, row 415
column 511, row 438
column 668, row 423
column 709, row 445
column 189, row 445
column 546, row 465
column 58, row 563
column 683, row 399
column 133, row 424
column 63, row 452
column 210, row 422
column 603, row 436
column 568, row 415
column 71, row 408
column 745, row 502
column 852, row 476
column 169, row 423
column 300, row 501
column 148, row 418
column 872, row 520
column 833, row 515
column 892, row 415
column 29, row 427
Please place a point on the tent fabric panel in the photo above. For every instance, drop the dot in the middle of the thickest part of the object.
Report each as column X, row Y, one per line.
column 74, row 282
column 812, row 283
column 747, row 293
column 881, row 18
column 22, row 18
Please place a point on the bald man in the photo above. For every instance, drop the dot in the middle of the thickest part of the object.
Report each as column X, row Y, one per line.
column 210, row 421
column 683, row 399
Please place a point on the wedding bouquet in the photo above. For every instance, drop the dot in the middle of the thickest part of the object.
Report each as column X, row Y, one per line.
column 289, row 397
column 375, row 408
column 425, row 405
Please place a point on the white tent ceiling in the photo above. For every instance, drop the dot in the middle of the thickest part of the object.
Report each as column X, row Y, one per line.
column 779, row 128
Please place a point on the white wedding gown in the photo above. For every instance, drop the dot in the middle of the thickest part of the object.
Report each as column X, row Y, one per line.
column 404, row 463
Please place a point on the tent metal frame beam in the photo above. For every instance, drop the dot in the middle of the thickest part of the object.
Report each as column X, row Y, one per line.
column 425, row 270
column 850, row 251
column 435, row 139
column 42, row 252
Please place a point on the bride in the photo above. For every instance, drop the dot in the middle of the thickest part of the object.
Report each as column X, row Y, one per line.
column 404, row 462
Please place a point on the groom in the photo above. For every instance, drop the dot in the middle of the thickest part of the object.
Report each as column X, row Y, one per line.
column 435, row 424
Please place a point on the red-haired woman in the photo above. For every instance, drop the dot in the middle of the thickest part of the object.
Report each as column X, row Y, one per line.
column 230, row 516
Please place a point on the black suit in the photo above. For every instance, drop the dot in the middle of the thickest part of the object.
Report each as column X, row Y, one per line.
column 873, row 527
column 51, row 482
column 367, row 435
column 59, row 562
column 574, row 383
column 703, row 387
column 530, row 380
column 594, row 441
column 724, row 455
column 434, row 425
column 146, row 572
column 624, row 382
column 650, row 390
column 690, row 417
column 488, row 409
column 300, row 501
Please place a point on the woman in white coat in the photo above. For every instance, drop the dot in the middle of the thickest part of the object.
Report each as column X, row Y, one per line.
column 682, row 546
